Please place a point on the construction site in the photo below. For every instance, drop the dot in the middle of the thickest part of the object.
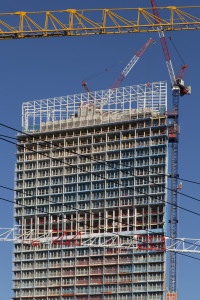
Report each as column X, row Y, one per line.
column 102, row 177
column 96, row 209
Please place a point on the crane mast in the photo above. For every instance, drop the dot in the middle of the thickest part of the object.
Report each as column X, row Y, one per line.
column 178, row 88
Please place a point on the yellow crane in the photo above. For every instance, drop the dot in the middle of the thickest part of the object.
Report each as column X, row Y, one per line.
column 72, row 22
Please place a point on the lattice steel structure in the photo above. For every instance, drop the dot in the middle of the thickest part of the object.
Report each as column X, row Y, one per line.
column 73, row 22
column 92, row 171
column 61, row 112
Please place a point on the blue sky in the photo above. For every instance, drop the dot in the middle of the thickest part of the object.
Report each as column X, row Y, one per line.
column 40, row 68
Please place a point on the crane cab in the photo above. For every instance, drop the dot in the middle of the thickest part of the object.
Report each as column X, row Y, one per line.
column 184, row 90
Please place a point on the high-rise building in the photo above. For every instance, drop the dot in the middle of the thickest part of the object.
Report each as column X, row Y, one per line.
column 90, row 197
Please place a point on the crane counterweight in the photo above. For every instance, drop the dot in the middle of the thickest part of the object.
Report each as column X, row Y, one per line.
column 184, row 90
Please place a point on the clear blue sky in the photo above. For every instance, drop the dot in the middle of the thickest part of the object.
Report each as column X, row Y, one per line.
column 40, row 68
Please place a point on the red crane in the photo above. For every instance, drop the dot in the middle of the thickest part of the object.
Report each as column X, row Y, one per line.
column 126, row 70
column 84, row 84
column 131, row 64
column 175, row 81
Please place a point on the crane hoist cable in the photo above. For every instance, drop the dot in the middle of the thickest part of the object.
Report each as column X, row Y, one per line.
column 183, row 67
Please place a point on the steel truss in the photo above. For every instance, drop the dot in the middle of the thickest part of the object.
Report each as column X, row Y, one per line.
column 61, row 112
column 72, row 22
column 174, row 186
column 111, row 240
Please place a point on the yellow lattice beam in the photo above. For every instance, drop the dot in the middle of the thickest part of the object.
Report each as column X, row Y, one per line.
column 73, row 22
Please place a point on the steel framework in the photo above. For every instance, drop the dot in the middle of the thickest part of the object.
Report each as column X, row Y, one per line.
column 72, row 22
column 178, row 245
column 62, row 110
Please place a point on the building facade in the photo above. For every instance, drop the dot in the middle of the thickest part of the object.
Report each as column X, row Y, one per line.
column 90, row 196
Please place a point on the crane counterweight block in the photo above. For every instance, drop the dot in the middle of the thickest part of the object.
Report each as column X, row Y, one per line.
column 184, row 90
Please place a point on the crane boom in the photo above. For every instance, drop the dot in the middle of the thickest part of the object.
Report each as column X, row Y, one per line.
column 164, row 45
column 179, row 245
column 131, row 64
column 167, row 57
column 84, row 84
column 126, row 70
column 177, row 83
column 72, row 22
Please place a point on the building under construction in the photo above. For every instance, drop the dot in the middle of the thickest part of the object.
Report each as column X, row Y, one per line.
column 90, row 208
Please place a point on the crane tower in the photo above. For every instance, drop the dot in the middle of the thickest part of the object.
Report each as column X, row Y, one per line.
column 178, row 89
